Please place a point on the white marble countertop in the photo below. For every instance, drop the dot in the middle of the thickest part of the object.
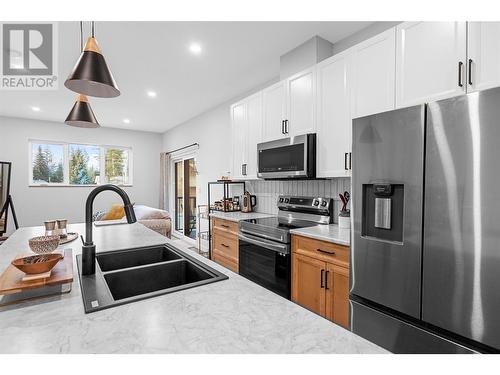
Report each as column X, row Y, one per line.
column 330, row 233
column 238, row 215
column 231, row 316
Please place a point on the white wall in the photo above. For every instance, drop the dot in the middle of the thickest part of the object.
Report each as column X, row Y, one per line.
column 35, row 204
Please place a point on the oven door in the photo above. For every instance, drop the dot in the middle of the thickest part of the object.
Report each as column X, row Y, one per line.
column 292, row 157
column 266, row 263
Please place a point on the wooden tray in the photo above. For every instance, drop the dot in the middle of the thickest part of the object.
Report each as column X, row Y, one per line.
column 11, row 280
column 71, row 237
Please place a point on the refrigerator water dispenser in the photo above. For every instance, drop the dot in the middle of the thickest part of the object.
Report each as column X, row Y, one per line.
column 383, row 211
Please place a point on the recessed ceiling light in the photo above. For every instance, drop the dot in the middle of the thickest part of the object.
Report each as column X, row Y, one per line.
column 152, row 94
column 35, row 109
column 195, row 48
column 126, row 121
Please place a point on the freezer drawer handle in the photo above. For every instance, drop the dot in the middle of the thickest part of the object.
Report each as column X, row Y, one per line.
column 326, row 251
column 321, row 279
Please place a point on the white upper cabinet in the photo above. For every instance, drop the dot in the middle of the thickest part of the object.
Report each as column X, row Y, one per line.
column 301, row 105
column 373, row 74
column 238, row 129
column 333, row 127
column 253, row 135
column 430, row 61
column 483, row 63
column 274, row 111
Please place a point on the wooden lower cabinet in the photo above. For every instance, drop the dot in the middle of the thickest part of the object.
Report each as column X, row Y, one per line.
column 307, row 277
column 320, row 281
column 225, row 243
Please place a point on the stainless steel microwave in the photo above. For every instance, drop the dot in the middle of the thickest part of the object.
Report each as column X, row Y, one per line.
column 293, row 157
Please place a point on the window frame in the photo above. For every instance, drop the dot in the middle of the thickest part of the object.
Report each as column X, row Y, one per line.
column 102, row 163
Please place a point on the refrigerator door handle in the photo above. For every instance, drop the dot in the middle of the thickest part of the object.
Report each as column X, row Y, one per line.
column 460, row 68
column 470, row 72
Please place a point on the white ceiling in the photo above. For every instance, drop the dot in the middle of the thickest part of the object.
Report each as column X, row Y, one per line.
column 236, row 57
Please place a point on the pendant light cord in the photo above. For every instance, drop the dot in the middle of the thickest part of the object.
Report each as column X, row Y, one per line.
column 81, row 36
column 93, row 26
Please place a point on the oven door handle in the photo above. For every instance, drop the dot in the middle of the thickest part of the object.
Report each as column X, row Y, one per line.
column 279, row 248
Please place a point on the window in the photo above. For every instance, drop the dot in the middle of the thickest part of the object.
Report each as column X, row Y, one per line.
column 72, row 164
column 84, row 164
column 47, row 163
column 116, row 165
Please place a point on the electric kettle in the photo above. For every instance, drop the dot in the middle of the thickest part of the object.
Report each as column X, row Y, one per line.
column 248, row 202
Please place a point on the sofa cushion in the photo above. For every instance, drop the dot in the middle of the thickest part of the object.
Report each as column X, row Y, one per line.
column 149, row 213
column 116, row 212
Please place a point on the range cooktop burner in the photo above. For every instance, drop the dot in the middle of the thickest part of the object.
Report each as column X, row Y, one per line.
column 275, row 222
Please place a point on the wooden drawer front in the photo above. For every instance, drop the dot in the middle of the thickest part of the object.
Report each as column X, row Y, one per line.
column 322, row 250
column 231, row 227
column 223, row 261
column 226, row 246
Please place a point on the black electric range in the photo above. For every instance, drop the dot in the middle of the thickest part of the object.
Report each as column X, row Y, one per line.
column 264, row 244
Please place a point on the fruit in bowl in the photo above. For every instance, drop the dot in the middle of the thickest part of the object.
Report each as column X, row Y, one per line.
column 44, row 244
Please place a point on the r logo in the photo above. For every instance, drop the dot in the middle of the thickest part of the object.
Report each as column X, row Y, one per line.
column 27, row 49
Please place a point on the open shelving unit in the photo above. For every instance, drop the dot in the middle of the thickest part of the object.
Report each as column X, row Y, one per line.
column 228, row 187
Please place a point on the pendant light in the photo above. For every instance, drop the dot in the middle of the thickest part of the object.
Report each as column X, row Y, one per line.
column 91, row 75
column 81, row 115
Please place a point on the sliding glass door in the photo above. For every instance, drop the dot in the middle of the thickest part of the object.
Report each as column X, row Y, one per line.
column 185, row 197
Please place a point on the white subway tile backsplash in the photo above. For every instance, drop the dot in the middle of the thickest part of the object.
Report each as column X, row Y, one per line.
column 267, row 192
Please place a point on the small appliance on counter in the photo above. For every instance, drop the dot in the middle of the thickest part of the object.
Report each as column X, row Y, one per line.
column 265, row 244
column 248, row 202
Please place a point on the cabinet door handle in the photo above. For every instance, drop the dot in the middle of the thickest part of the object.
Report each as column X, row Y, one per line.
column 326, row 280
column 350, row 160
column 326, row 251
column 286, row 126
column 345, row 161
column 282, row 126
column 244, row 169
column 460, row 68
column 321, row 278
column 242, row 173
column 470, row 72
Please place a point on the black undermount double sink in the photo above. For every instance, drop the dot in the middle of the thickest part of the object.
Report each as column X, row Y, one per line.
column 125, row 276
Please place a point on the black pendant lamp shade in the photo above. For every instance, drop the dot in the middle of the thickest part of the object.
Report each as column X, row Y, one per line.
column 81, row 114
column 91, row 75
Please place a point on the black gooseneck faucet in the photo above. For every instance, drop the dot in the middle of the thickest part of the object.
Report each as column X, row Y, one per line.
column 88, row 248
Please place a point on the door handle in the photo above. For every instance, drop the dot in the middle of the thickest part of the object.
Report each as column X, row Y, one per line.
column 345, row 161
column 321, row 278
column 326, row 280
column 460, row 68
column 470, row 72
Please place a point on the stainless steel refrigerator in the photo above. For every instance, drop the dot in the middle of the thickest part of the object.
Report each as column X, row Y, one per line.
column 425, row 253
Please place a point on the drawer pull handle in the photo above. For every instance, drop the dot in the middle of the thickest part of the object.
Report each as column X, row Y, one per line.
column 224, row 225
column 326, row 251
column 223, row 244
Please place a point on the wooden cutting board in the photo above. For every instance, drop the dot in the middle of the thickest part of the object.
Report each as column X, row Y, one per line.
column 11, row 280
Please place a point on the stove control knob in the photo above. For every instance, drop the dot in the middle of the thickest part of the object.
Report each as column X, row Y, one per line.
column 281, row 200
column 316, row 202
column 323, row 204
column 287, row 200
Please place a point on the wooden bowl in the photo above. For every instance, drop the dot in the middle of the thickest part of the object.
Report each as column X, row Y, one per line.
column 44, row 244
column 35, row 264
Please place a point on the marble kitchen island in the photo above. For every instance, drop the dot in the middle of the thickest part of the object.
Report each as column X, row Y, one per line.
column 231, row 316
